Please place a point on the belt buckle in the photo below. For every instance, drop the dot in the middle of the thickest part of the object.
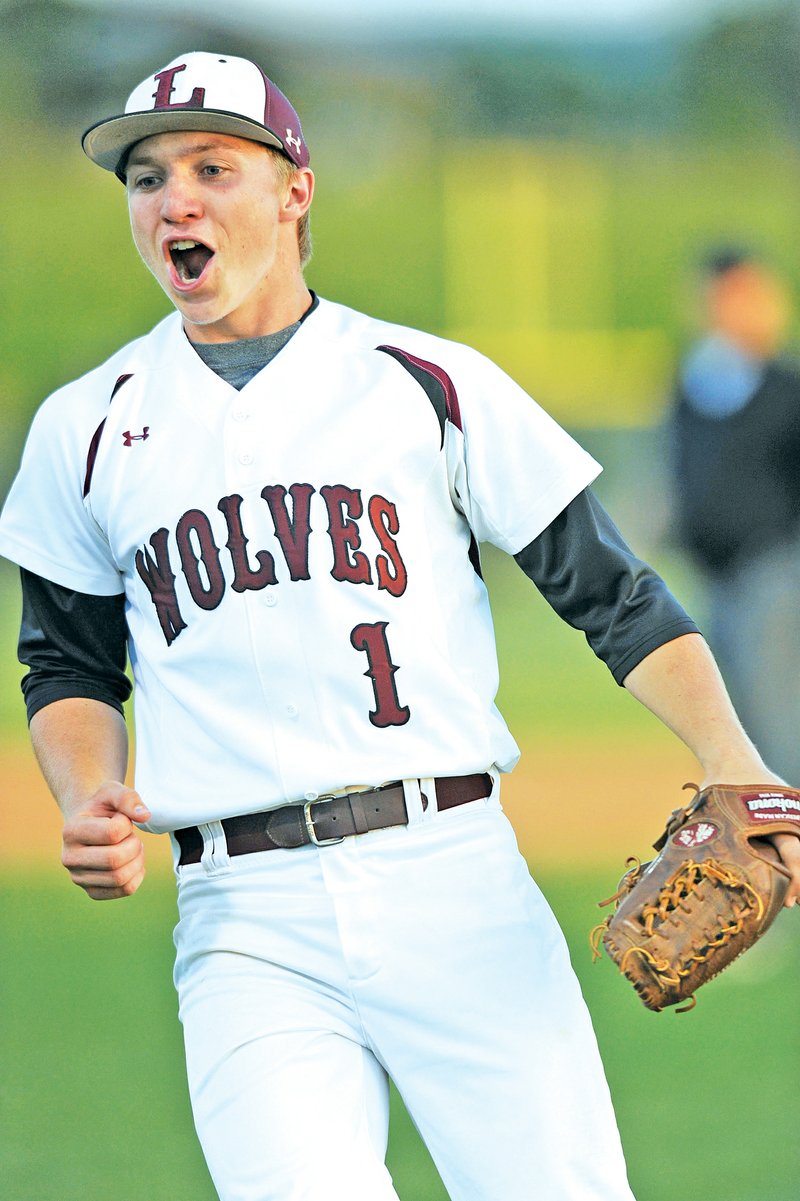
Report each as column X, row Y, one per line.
column 312, row 833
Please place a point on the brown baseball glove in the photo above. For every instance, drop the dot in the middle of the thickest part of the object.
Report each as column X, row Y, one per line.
column 715, row 887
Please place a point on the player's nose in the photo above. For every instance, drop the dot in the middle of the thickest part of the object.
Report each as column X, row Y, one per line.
column 180, row 200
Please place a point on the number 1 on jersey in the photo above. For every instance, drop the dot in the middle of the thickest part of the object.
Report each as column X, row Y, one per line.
column 372, row 640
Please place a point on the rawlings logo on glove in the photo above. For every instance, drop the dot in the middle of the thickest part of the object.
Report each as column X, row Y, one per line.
column 714, row 889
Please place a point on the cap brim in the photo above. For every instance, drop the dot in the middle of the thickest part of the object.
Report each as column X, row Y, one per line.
column 107, row 142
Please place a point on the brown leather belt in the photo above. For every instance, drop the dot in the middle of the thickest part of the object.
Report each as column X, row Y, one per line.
column 329, row 819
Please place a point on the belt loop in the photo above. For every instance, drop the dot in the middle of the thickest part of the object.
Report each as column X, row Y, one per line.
column 494, row 775
column 418, row 800
column 429, row 789
column 215, row 858
column 176, row 853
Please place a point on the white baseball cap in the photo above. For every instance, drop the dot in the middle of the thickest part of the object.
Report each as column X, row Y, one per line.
column 212, row 93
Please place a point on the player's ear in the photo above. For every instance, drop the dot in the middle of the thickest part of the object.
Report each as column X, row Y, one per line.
column 299, row 194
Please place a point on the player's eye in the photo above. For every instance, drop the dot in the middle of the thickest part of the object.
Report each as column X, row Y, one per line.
column 212, row 169
column 145, row 183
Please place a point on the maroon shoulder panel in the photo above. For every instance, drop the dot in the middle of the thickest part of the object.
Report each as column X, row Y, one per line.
column 434, row 379
column 441, row 392
column 94, row 445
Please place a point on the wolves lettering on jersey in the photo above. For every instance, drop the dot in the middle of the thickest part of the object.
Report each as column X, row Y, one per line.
column 201, row 559
column 201, row 563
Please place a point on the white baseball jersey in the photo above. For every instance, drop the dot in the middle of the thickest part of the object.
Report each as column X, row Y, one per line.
column 299, row 557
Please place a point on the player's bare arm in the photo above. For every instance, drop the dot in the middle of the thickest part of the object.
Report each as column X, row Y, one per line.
column 82, row 749
column 681, row 684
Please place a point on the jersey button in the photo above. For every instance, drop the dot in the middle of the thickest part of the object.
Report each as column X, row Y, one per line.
column 270, row 599
column 292, row 710
column 240, row 415
column 246, row 458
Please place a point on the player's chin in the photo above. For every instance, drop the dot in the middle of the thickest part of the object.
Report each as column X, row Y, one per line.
column 199, row 315
column 199, row 299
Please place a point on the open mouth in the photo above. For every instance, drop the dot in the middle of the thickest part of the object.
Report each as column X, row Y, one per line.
column 190, row 258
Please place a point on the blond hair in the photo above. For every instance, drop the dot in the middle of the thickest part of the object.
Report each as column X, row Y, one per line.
column 286, row 173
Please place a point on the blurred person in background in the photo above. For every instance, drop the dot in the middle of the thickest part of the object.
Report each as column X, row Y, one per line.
column 735, row 426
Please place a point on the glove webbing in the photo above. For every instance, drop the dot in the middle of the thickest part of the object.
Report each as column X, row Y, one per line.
column 677, row 889
column 685, row 881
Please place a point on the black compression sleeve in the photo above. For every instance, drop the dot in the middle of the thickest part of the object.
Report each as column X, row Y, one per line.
column 73, row 645
column 586, row 571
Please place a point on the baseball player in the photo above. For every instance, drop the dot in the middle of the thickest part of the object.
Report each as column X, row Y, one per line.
column 275, row 503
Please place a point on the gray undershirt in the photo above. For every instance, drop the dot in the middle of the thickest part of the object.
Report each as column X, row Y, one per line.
column 238, row 362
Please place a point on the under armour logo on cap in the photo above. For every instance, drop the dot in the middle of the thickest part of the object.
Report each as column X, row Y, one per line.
column 206, row 92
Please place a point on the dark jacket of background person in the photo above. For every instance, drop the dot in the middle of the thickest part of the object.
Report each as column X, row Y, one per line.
column 738, row 473
column 735, row 427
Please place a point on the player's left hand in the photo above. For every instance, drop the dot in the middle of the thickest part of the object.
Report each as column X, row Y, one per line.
column 788, row 847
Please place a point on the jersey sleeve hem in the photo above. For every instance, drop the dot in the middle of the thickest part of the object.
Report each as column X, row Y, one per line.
column 40, row 695
column 32, row 559
column 655, row 639
column 548, row 507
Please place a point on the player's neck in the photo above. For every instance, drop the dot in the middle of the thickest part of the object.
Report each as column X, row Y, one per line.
column 270, row 315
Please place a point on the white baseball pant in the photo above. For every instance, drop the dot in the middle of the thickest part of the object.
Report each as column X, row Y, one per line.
column 424, row 953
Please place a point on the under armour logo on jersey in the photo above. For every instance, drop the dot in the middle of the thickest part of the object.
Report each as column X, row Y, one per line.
column 128, row 438
column 291, row 140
